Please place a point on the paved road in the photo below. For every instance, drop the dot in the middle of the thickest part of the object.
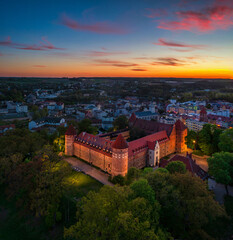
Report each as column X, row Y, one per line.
column 89, row 170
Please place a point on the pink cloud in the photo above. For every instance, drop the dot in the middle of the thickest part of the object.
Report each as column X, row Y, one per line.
column 97, row 27
column 103, row 53
column 207, row 19
column 6, row 42
column 115, row 63
column 182, row 47
column 43, row 46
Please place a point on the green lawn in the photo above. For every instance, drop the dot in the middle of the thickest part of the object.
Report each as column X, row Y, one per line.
column 78, row 185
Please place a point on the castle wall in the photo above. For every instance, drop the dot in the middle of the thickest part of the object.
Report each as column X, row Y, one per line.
column 172, row 142
column 117, row 162
column 139, row 160
column 91, row 156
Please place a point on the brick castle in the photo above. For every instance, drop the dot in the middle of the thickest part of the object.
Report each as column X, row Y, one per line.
column 116, row 157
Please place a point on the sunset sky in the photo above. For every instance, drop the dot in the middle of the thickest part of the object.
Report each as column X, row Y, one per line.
column 130, row 38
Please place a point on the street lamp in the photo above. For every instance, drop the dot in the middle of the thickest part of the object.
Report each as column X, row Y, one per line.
column 194, row 143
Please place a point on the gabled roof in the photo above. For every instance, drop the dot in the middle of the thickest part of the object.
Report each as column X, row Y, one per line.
column 120, row 143
column 70, row 131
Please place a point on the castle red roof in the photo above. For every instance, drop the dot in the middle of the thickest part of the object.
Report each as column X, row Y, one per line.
column 147, row 142
column 180, row 125
column 120, row 143
column 95, row 143
column 150, row 127
column 70, row 131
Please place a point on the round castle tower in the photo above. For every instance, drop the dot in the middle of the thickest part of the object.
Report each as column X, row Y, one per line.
column 69, row 141
column 119, row 156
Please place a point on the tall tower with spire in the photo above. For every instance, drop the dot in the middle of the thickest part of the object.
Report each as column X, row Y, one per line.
column 119, row 156
column 69, row 141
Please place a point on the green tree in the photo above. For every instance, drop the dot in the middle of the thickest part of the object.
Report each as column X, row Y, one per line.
column 191, row 140
column 21, row 141
column 226, row 141
column 187, row 207
column 162, row 170
column 209, row 139
column 9, row 164
column 114, row 214
column 176, row 167
column 59, row 144
column 147, row 170
column 221, row 168
column 85, row 126
column 119, row 179
column 141, row 188
column 132, row 174
column 21, row 181
column 46, row 198
column 120, row 123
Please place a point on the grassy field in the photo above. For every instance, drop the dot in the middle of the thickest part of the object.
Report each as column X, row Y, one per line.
column 16, row 224
column 78, row 185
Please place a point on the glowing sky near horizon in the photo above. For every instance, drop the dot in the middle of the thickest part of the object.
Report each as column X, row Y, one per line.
column 133, row 38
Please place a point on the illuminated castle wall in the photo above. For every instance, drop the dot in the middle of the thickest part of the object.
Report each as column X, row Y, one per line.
column 116, row 157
